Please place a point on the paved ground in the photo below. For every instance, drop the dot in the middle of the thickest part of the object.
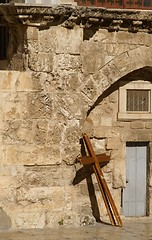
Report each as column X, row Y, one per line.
column 132, row 230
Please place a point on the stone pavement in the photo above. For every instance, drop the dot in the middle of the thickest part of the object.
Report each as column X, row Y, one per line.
column 131, row 230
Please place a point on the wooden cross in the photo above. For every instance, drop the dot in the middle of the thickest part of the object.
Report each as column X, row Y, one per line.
column 96, row 160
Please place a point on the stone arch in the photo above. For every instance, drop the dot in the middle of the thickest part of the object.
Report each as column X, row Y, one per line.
column 119, row 67
column 141, row 73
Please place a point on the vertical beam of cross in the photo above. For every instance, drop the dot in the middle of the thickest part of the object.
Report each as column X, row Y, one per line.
column 107, row 197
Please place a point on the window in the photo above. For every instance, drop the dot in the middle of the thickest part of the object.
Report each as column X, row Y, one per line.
column 135, row 101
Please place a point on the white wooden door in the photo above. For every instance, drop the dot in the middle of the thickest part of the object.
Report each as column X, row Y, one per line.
column 134, row 195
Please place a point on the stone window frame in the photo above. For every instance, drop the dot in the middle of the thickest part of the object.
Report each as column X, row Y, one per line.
column 138, row 85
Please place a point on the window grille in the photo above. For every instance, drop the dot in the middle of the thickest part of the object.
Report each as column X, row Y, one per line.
column 138, row 100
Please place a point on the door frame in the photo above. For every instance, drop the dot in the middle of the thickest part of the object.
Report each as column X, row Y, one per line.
column 147, row 144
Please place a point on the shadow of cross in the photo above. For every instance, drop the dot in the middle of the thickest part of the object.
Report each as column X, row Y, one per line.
column 96, row 162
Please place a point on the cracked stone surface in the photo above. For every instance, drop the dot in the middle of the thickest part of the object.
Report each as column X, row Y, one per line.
column 138, row 229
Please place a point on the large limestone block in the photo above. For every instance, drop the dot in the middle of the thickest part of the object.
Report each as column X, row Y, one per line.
column 30, row 219
column 24, row 82
column 117, row 197
column 113, row 143
column 55, row 218
column 47, row 40
column 58, row 218
column 98, row 145
column 68, row 41
column 140, row 57
column 32, row 154
column 67, row 177
column 70, row 81
column 89, row 88
column 119, row 173
column 46, row 176
column 19, row 131
column 13, row 105
column 52, row 195
column 60, row 40
column 100, row 120
column 123, row 63
column 148, row 125
column 8, row 192
column 8, row 80
column 39, row 105
column 66, row 62
column 92, row 56
column 101, row 80
column 69, row 107
column 32, row 33
column 100, row 132
column 42, row 62
column 88, row 126
column 137, row 125
column 15, row 80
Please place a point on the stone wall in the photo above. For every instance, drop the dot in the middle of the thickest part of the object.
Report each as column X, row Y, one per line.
column 58, row 83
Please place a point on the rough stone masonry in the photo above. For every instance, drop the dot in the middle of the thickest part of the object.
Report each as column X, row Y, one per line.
column 61, row 77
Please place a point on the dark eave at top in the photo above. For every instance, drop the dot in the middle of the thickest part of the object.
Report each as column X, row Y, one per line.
column 69, row 16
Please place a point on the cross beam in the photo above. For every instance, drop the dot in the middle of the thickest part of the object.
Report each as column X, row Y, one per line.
column 95, row 160
column 86, row 160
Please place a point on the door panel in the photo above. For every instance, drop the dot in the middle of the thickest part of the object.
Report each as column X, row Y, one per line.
column 134, row 195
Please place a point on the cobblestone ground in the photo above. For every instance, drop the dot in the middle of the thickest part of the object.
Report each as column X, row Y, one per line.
column 139, row 230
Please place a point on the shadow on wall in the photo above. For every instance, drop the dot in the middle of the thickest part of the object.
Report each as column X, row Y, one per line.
column 85, row 173
column 5, row 221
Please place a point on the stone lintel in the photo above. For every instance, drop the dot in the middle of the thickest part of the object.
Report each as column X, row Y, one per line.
column 69, row 16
